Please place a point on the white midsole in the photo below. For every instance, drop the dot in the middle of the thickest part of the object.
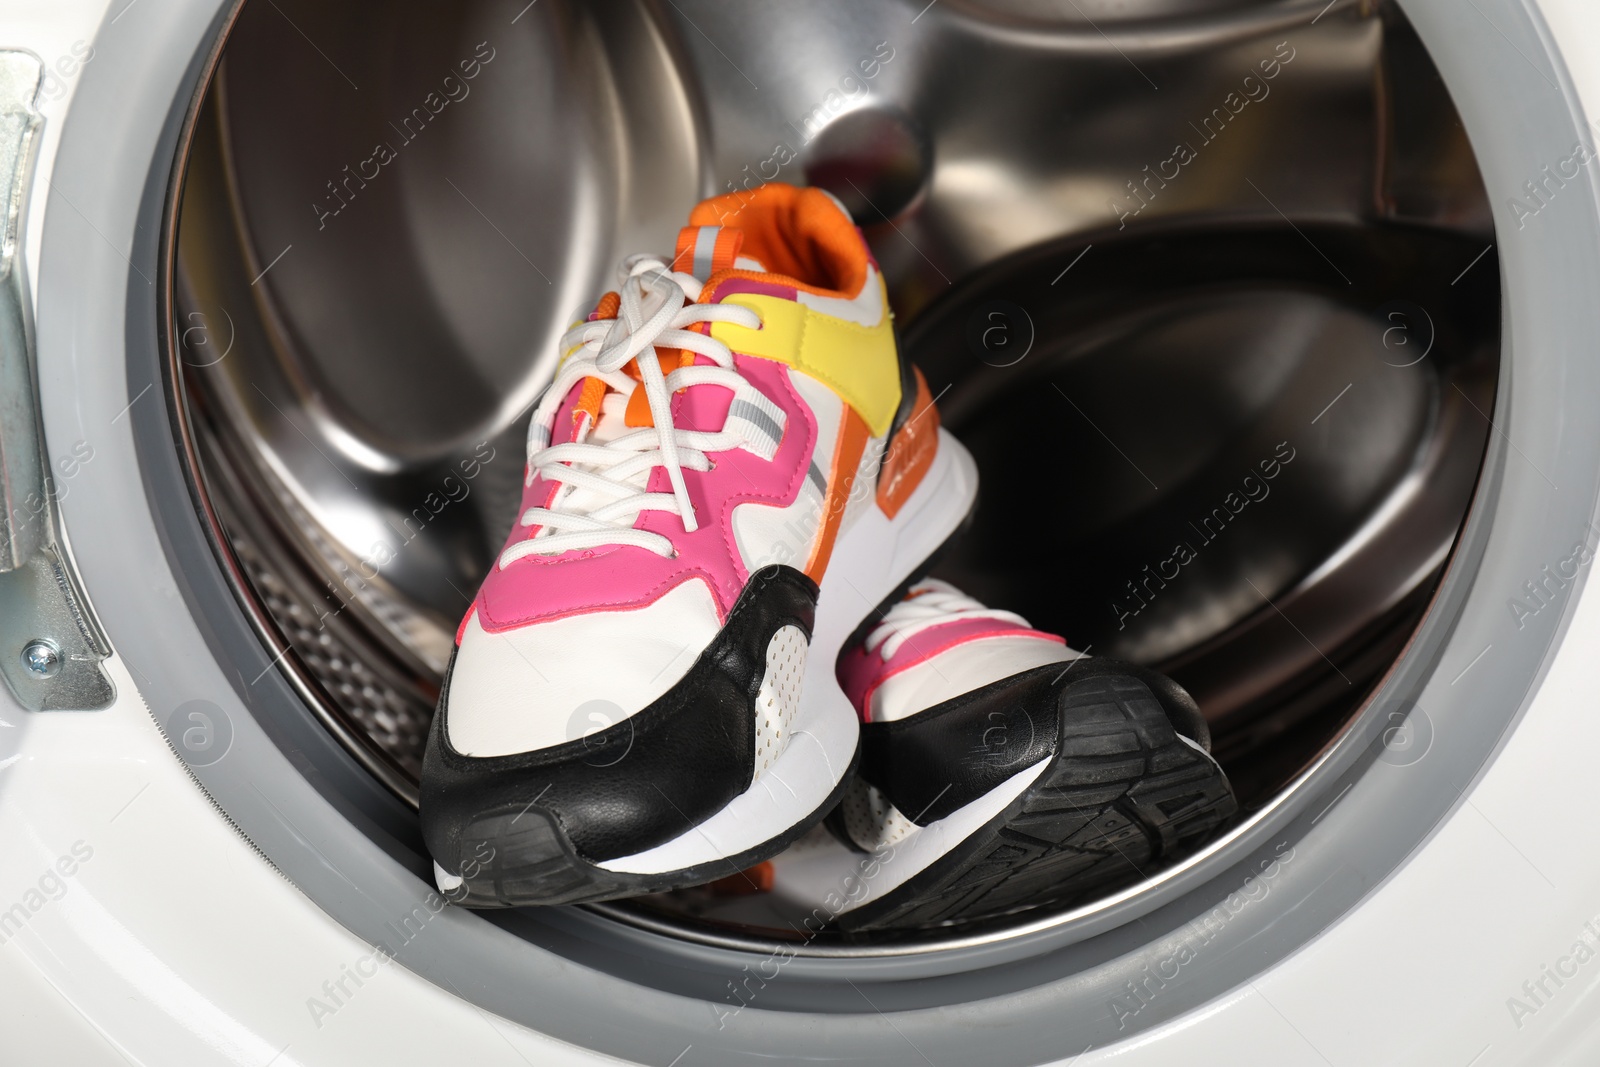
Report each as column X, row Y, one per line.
column 836, row 873
column 870, row 560
column 830, row 873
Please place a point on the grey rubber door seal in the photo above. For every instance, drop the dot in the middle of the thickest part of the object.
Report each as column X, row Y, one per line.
column 1353, row 820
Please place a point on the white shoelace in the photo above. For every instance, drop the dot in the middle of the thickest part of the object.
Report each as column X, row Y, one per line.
column 929, row 603
column 657, row 307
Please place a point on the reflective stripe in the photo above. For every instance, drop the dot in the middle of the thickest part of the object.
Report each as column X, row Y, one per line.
column 758, row 420
column 852, row 443
column 705, row 251
column 818, row 479
column 744, row 409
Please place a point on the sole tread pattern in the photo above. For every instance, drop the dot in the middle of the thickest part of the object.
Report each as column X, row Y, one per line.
column 1124, row 792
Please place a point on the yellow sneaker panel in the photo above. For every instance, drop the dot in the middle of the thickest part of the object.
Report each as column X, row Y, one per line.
column 857, row 362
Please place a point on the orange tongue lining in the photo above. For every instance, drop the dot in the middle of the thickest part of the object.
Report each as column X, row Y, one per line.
column 638, row 413
column 799, row 234
column 794, row 232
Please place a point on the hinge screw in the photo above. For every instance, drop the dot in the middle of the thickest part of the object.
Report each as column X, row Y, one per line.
column 42, row 658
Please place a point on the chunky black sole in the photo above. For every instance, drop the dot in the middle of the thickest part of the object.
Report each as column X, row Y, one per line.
column 1123, row 793
column 520, row 858
column 512, row 822
column 511, row 852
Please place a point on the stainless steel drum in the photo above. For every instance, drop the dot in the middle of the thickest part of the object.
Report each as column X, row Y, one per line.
column 1207, row 288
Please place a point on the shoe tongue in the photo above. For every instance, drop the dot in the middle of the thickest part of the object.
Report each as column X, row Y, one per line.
column 705, row 250
column 702, row 251
column 611, row 423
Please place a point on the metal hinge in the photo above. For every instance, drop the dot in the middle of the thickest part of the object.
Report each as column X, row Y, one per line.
column 51, row 648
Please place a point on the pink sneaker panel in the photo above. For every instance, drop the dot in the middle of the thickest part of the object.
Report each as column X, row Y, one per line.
column 537, row 588
column 861, row 672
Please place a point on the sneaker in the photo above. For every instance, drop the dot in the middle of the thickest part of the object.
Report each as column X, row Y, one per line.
column 1001, row 770
column 732, row 467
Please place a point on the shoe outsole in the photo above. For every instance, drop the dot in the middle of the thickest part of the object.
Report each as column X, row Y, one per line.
column 1124, row 791
column 529, row 859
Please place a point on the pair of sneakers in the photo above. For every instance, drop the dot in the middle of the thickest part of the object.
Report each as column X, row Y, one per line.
column 708, row 629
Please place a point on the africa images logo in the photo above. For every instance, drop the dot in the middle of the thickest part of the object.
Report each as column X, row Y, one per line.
column 1253, row 489
column 452, row 89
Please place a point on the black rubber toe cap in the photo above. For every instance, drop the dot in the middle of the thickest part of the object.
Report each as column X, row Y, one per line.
column 639, row 783
column 943, row 758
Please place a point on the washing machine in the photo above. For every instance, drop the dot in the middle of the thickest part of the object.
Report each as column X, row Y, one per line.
column 277, row 280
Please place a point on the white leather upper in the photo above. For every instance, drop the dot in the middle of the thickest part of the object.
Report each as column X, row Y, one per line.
column 866, row 308
column 553, row 682
column 768, row 534
column 961, row 669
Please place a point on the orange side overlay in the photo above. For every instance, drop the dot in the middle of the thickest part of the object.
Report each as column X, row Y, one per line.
column 911, row 453
column 853, row 438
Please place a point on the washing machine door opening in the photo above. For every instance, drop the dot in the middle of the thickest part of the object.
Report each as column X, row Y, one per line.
column 1210, row 295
